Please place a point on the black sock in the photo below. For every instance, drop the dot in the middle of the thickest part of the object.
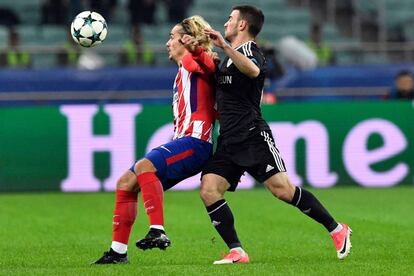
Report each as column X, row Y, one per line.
column 311, row 206
column 223, row 220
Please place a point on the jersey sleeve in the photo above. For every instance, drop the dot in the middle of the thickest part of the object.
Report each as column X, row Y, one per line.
column 254, row 54
column 199, row 62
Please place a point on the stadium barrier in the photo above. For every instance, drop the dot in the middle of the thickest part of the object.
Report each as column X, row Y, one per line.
column 147, row 84
column 87, row 147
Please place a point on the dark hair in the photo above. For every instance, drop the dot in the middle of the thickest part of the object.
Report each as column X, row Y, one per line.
column 253, row 16
column 403, row 73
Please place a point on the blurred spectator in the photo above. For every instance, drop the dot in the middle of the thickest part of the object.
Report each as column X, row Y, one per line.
column 104, row 7
column 90, row 60
column 297, row 53
column 55, row 12
column 273, row 73
column 274, row 68
column 177, row 10
column 403, row 86
column 322, row 50
column 13, row 56
column 70, row 52
column 142, row 11
column 135, row 50
column 8, row 17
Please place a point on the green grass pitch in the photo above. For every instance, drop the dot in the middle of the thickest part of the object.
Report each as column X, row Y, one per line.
column 60, row 234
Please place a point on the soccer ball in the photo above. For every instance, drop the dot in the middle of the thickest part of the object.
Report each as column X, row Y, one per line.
column 89, row 29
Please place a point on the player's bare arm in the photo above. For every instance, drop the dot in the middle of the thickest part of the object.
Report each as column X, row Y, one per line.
column 243, row 63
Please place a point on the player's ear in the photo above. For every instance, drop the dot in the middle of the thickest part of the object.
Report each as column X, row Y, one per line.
column 242, row 25
column 180, row 40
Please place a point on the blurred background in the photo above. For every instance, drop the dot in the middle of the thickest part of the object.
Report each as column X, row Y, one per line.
column 319, row 52
column 299, row 36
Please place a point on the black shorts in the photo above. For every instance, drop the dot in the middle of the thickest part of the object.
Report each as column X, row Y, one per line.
column 257, row 155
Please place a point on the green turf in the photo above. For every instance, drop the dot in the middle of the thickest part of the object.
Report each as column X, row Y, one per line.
column 60, row 234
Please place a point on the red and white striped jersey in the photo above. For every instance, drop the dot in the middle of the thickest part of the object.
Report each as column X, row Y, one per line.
column 194, row 97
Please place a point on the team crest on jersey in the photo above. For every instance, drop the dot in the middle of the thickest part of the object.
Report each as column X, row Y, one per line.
column 229, row 62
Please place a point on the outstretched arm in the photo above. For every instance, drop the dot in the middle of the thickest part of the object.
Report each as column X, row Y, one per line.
column 243, row 63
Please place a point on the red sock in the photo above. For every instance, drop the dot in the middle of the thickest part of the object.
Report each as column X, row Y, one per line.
column 124, row 215
column 152, row 196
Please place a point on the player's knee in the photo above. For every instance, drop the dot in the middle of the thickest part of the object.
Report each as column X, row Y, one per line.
column 283, row 190
column 127, row 182
column 209, row 193
column 123, row 184
column 283, row 194
column 208, row 196
column 143, row 165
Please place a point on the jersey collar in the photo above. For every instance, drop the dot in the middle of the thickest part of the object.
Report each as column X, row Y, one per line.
column 238, row 47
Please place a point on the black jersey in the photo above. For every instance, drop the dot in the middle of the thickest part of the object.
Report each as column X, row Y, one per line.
column 238, row 97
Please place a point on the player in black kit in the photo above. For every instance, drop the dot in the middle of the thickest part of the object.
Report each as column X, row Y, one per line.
column 245, row 143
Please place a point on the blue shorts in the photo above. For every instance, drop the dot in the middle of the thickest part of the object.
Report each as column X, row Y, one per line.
column 179, row 159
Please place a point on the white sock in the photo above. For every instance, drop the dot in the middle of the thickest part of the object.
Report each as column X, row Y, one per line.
column 119, row 248
column 241, row 251
column 337, row 229
column 159, row 227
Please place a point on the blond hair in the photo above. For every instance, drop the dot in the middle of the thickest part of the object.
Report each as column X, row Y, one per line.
column 194, row 26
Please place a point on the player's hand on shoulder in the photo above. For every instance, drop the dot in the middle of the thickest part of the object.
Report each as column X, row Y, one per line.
column 189, row 42
column 215, row 57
